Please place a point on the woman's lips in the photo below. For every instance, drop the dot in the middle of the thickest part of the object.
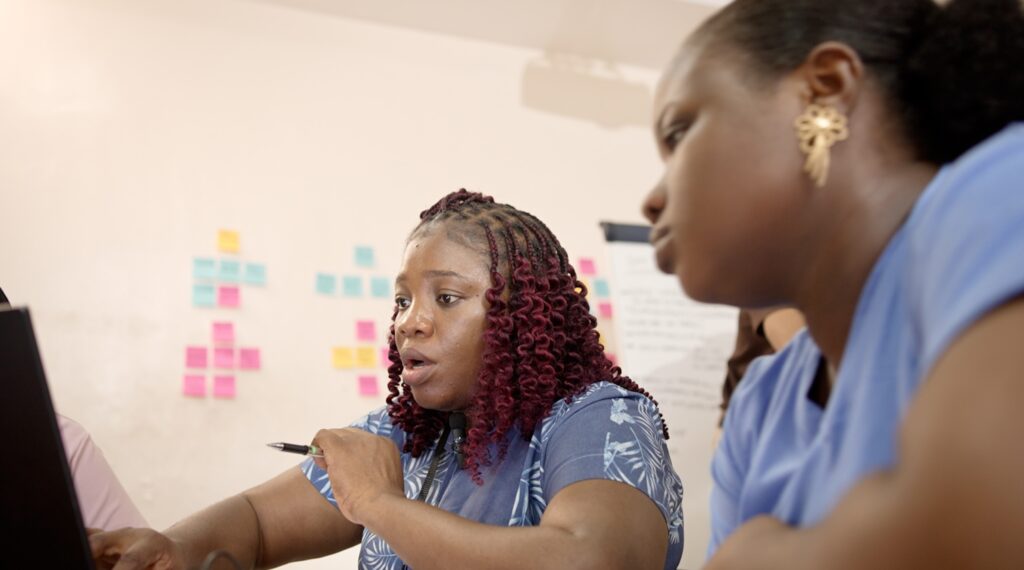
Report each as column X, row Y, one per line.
column 664, row 252
column 413, row 375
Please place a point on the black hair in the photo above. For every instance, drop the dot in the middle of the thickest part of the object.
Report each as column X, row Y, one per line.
column 3, row 298
column 951, row 73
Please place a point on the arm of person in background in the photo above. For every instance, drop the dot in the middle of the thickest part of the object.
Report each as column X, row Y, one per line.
column 588, row 524
column 277, row 522
column 104, row 502
column 952, row 501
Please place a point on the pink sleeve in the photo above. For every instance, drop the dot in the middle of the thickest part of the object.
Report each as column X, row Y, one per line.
column 104, row 502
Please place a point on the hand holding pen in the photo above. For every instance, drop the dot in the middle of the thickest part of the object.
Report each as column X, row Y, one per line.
column 310, row 450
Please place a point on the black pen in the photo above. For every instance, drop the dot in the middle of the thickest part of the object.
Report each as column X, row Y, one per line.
column 310, row 450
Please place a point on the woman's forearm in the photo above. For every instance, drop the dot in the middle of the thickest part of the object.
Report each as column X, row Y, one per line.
column 230, row 525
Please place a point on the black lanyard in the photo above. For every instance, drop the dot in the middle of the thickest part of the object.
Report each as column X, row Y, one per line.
column 432, row 472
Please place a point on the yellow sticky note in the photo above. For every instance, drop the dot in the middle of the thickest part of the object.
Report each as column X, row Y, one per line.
column 343, row 357
column 366, row 357
column 228, row 241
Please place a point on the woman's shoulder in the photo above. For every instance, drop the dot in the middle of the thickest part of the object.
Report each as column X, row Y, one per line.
column 772, row 380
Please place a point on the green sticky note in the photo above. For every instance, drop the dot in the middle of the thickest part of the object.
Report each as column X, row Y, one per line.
column 204, row 268
column 601, row 288
column 230, row 270
column 326, row 284
column 204, row 295
column 255, row 274
column 364, row 256
column 352, row 286
column 380, row 287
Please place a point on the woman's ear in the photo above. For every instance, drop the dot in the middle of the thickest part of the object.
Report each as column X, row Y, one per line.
column 832, row 74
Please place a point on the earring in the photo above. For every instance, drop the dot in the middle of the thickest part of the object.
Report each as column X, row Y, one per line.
column 818, row 128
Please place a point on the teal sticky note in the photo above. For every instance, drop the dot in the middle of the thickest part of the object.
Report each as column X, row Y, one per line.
column 364, row 256
column 204, row 268
column 255, row 274
column 230, row 270
column 204, row 295
column 326, row 284
column 380, row 287
column 601, row 288
column 352, row 286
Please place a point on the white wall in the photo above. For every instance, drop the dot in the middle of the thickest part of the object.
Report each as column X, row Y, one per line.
column 130, row 131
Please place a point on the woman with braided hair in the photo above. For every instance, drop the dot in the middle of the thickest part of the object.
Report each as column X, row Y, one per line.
column 509, row 440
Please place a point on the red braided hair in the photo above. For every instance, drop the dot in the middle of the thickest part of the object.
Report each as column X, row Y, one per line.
column 540, row 345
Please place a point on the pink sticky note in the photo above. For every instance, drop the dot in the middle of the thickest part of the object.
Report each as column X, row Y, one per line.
column 224, row 357
column 228, row 296
column 586, row 266
column 249, row 358
column 385, row 359
column 604, row 310
column 368, row 386
column 223, row 386
column 194, row 385
column 366, row 330
column 195, row 357
column 224, row 333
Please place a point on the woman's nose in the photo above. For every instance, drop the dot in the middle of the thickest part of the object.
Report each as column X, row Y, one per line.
column 654, row 203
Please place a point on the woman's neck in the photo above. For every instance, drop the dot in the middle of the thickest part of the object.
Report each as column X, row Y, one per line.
column 866, row 213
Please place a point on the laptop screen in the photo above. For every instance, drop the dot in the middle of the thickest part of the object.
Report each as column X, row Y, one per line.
column 40, row 521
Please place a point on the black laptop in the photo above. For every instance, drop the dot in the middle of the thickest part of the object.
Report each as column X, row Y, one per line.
column 40, row 521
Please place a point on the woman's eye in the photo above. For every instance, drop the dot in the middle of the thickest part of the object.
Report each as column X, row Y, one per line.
column 673, row 137
column 401, row 302
column 446, row 298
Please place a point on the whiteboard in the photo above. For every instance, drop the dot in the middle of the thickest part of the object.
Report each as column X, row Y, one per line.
column 677, row 349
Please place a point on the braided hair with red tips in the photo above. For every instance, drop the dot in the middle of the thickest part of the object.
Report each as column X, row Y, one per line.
column 540, row 340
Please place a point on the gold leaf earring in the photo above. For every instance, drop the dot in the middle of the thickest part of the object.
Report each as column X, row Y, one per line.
column 818, row 128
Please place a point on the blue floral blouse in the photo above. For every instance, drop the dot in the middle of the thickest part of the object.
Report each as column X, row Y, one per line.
column 606, row 432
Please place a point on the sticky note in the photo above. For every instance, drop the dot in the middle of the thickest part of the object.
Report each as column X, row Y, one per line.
column 380, row 287
column 368, row 386
column 326, row 284
column 195, row 357
column 255, row 274
column 228, row 296
column 194, row 385
column 223, row 333
column 223, row 386
column 224, row 357
column 385, row 359
column 366, row 330
column 604, row 310
column 249, row 358
column 601, row 288
column 366, row 357
column 352, row 286
column 586, row 266
column 364, row 256
column 343, row 357
column 204, row 295
column 230, row 271
column 228, row 241
column 203, row 268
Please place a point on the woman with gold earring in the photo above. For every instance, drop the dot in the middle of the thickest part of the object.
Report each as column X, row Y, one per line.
column 858, row 160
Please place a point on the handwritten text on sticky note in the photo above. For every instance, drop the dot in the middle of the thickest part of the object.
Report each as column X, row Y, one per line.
column 229, row 296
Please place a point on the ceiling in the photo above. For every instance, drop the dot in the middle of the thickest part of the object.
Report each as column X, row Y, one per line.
column 642, row 33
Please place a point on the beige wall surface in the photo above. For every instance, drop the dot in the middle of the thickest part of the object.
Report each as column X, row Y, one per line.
column 131, row 131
